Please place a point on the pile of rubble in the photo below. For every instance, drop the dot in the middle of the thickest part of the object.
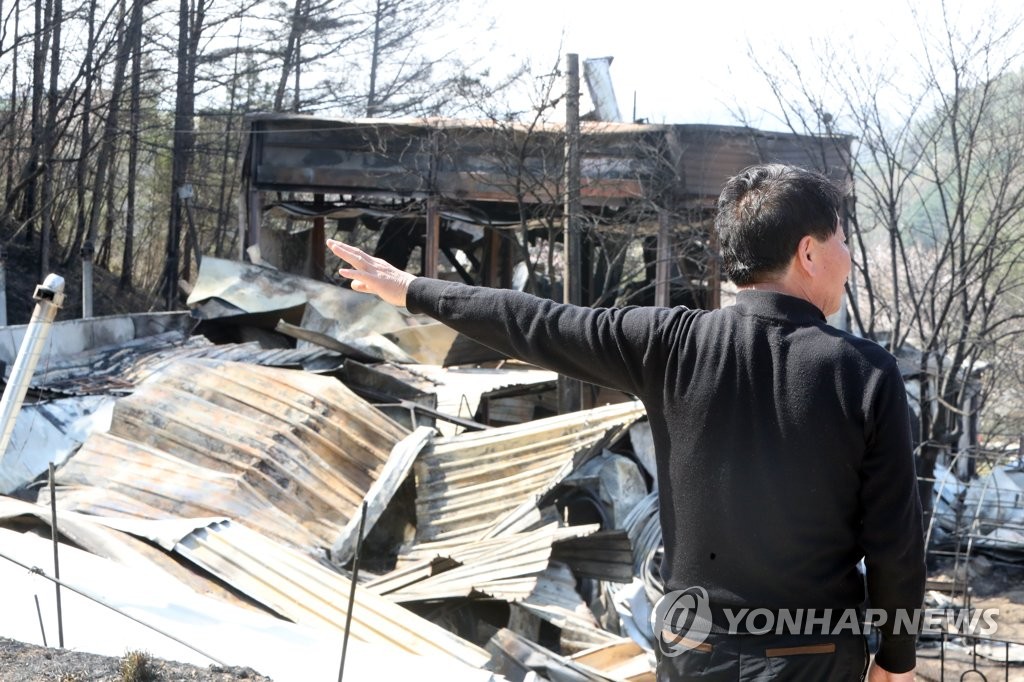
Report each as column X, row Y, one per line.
column 224, row 475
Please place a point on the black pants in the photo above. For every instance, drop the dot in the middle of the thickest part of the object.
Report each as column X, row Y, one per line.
column 760, row 658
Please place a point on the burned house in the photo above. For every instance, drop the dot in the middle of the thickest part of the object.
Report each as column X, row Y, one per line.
column 486, row 202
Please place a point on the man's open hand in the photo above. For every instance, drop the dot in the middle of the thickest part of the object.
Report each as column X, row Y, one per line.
column 371, row 275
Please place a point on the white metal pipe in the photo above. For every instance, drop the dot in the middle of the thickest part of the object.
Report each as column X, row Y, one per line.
column 597, row 73
column 87, row 287
column 49, row 297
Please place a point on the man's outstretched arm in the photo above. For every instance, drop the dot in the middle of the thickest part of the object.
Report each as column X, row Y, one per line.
column 611, row 347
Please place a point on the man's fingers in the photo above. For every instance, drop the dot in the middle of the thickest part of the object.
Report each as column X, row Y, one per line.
column 371, row 275
column 349, row 254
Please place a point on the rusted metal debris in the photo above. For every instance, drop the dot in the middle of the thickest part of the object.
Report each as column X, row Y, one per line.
column 492, row 523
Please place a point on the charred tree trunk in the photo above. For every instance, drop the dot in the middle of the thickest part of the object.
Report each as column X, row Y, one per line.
column 13, row 128
column 290, row 58
column 110, row 217
column 40, row 46
column 49, row 142
column 135, row 38
column 106, row 152
column 190, row 23
column 224, row 196
column 82, row 167
column 371, row 97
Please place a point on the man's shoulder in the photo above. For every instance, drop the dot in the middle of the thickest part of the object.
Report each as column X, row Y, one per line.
column 867, row 350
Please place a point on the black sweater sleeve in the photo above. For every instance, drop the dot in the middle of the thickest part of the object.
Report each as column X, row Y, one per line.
column 891, row 536
column 606, row 346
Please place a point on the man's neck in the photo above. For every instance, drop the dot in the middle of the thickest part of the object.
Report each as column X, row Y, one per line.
column 781, row 286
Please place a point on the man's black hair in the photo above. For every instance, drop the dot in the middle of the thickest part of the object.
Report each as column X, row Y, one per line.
column 764, row 212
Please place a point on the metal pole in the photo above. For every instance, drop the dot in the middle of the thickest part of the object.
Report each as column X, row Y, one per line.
column 49, row 298
column 570, row 390
column 352, row 592
column 56, row 557
column 39, row 613
column 88, row 251
column 3, row 287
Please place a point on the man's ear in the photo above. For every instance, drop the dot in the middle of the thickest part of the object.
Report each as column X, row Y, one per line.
column 806, row 255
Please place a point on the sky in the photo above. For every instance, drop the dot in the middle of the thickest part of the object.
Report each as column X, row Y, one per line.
column 689, row 62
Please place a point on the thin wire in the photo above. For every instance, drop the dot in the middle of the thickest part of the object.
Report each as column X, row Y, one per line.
column 40, row 572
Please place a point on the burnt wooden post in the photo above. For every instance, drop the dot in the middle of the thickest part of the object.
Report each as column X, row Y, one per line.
column 569, row 390
column 663, row 263
column 319, row 239
column 432, row 243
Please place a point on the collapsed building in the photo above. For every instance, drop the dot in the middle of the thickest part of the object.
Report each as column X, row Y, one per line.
column 290, row 465
column 472, row 198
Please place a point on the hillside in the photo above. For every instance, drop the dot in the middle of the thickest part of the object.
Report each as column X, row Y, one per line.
column 23, row 276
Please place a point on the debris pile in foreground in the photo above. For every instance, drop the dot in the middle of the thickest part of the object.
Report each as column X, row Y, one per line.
column 213, row 467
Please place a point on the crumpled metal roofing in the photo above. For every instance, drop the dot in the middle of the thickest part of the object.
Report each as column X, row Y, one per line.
column 459, row 389
column 47, row 432
column 303, row 590
column 118, row 541
column 226, row 288
column 125, row 574
column 119, row 368
column 554, row 599
column 287, row 452
column 505, row 567
column 515, row 656
column 644, row 528
column 467, row 483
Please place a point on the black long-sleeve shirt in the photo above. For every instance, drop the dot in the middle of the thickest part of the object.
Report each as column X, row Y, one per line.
column 783, row 444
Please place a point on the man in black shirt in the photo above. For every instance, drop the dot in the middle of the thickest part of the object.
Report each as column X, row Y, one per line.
column 783, row 444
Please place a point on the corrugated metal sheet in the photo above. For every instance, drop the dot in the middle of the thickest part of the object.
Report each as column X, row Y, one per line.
column 515, row 655
column 467, row 483
column 117, row 542
column 459, row 389
column 505, row 568
column 119, row 368
column 50, row 431
column 303, row 590
column 621, row 661
column 644, row 528
column 288, row 452
column 555, row 600
column 226, row 289
column 238, row 632
column 606, row 555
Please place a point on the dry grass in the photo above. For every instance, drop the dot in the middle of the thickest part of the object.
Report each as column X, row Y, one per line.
column 137, row 666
